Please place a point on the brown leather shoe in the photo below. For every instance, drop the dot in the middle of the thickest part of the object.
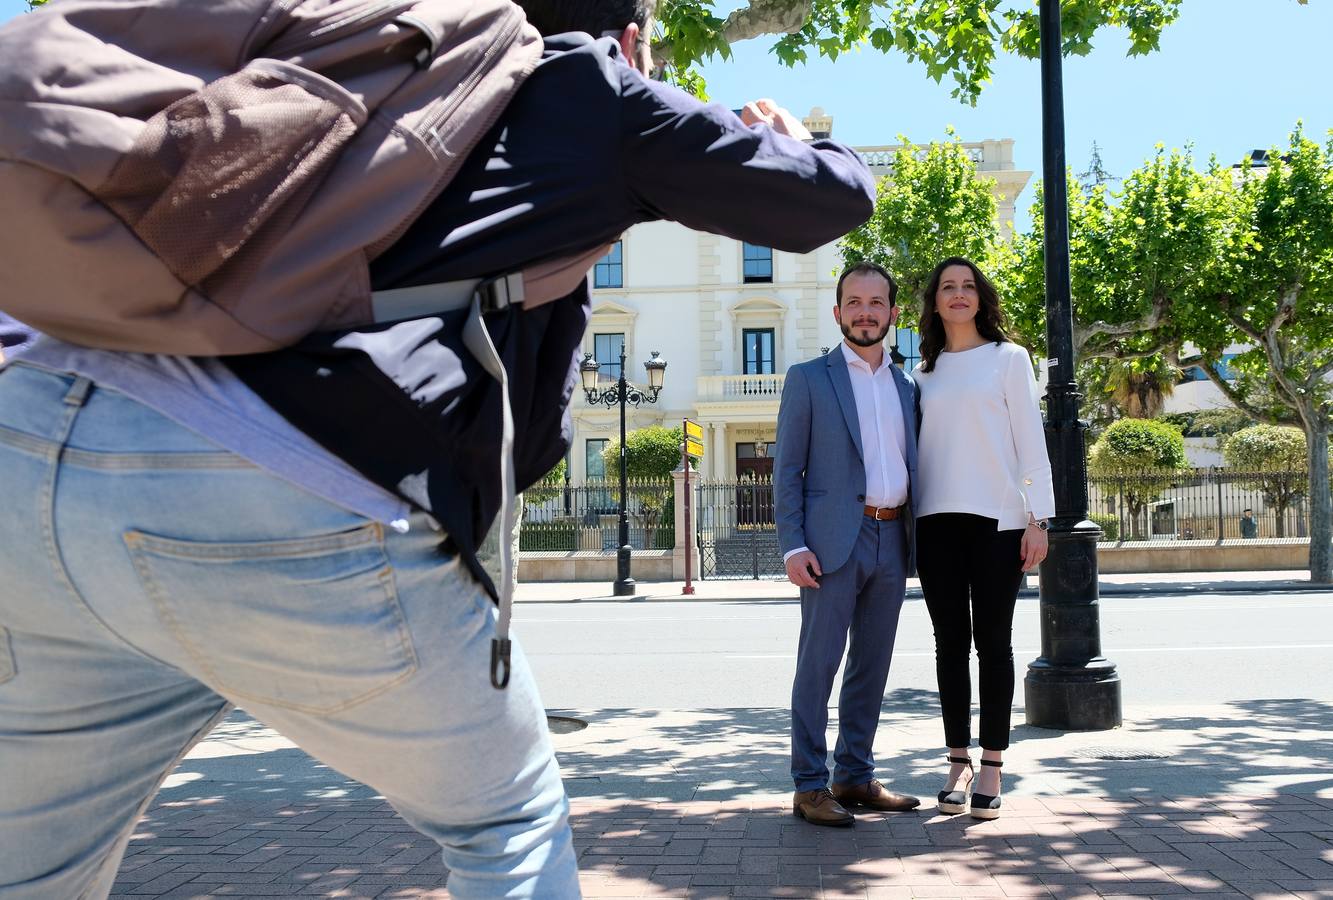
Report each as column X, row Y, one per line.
column 819, row 808
column 873, row 795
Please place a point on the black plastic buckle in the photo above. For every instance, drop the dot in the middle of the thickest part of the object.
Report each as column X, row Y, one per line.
column 500, row 663
column 501, row 293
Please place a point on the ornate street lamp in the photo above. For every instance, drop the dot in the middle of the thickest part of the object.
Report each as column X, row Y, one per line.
column 1071, row 685
column 623, row 393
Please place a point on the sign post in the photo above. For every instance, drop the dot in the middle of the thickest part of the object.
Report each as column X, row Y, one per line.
column 692, row 448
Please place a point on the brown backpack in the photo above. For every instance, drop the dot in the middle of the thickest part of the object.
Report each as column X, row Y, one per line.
column 213, row 178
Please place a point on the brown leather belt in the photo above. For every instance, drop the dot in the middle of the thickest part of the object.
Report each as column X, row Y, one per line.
column 884, row 513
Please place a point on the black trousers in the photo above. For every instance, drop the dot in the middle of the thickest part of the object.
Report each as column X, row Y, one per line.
column 970, row 574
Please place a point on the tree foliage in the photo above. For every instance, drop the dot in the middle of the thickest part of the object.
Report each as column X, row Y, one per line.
column 1209, row 422
column 1133, row 446
column 1147, row 453
column 650, row 453
column 1133, row 253
column 1271, row 287
column 958, row 39
column 1275, row 458
column 934, row 206
column 550, row 486
column 1266, row 448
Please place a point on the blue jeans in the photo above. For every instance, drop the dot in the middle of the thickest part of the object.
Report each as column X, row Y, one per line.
column 150, row 580
column 856, row 607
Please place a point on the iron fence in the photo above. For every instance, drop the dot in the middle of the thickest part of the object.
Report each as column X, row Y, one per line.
column 735, row 530
column 1200, row 505
column 558, row 517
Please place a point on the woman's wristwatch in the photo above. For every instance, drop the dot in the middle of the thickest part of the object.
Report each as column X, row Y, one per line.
column 1043, row 524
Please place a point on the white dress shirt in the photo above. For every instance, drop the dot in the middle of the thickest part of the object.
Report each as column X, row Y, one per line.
column 879, row 412
column 883, row 436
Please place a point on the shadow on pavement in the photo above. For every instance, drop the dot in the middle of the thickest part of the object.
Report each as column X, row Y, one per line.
column 696, row 803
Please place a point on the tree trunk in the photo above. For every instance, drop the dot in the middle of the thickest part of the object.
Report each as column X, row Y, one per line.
column 1280, row 526
column 1321, row 503
column 1135, row 523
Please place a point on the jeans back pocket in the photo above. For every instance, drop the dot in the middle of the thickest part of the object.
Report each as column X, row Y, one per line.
column 311, row 624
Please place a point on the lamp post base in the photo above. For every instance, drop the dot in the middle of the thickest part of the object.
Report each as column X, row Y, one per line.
column 625, row 586
column 1072, row 698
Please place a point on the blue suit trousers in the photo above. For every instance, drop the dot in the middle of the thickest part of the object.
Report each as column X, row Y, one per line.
column 855, row 608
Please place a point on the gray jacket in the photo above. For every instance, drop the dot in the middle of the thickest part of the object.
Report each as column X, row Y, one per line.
column 819, row 481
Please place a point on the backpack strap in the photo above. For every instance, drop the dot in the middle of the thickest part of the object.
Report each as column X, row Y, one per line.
column 479, row 298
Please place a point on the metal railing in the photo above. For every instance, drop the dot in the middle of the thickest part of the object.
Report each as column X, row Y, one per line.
column 1200, row 505
column 558, row 517
column 735, row 530
column 715, row 388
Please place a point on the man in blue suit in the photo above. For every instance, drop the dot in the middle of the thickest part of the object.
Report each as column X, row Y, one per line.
column 845, row 476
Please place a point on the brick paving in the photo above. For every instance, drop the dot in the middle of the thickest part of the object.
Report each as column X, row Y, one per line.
column 1278, row 845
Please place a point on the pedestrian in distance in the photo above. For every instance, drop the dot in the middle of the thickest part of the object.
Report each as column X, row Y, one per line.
column 179, row 541
column 1249, row 528
column 986, row 500
column 844, row 483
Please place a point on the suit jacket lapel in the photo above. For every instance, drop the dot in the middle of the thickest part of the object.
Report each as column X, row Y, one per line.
column 842, row 387
column 908, row 404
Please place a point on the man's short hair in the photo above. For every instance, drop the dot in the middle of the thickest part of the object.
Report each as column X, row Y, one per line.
column 868, row 268
column 1247, row 509
column 594, row 17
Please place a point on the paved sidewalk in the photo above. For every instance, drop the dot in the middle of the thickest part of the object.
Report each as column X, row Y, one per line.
column 1228, row 801
column 780, row 588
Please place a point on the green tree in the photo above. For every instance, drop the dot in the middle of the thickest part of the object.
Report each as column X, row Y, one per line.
column 1275, row 457
column 551, row 485
column 1272, row 288
column 934, row 206
column 651, row 454
column 957, row 38
column 1141, row 456
column 1133, row 252
column 1209, row 422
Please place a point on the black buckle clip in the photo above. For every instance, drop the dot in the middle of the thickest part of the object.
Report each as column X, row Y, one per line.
column 501, row 293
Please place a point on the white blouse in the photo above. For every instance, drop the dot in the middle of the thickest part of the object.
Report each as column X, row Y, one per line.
column 982, row 449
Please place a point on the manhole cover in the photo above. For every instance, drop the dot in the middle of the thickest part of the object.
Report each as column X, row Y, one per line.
column 1120, row 753
column 564, row 724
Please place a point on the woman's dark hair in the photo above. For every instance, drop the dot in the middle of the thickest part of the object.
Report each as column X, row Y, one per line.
column 990, row 318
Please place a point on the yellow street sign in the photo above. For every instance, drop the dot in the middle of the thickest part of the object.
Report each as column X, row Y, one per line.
column 693, row 447
column 694, row 430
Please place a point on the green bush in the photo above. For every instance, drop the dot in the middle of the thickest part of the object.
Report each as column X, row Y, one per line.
column 1109, row 524
column 558, row 535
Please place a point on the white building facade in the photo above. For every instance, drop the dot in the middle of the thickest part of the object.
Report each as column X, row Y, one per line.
column 729, row 318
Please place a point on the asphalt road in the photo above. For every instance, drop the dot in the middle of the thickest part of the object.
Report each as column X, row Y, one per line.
column 1169, row 649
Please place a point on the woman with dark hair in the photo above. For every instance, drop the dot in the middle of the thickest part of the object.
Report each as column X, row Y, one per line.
column 986, row 496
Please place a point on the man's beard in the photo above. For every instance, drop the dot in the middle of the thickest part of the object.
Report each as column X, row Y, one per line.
column 862, row 342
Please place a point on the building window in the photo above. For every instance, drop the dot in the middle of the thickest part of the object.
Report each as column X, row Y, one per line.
column 1196, row 373
column 758, row 344
column 758, row 263
column 594, row 465
column 609, row 272
column 909, row 345
column 606, row 349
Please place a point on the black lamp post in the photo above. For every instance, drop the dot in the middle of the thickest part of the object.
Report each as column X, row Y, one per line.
column 623, row 392
column 1071, row 685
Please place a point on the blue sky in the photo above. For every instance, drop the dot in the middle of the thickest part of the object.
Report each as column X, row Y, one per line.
column 1232, row 75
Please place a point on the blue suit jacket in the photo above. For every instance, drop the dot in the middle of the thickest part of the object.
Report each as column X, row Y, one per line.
column 819, row 481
